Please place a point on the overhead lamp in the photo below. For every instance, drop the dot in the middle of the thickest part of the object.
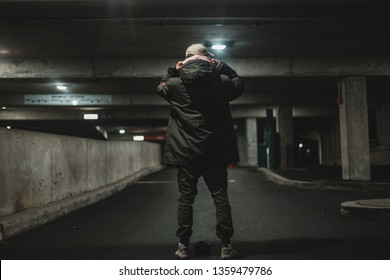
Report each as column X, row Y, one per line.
column 122, row 131
column 138, row 138
column 3, row 108
column 8, row 127
column 75, row 102
column 219, row 44
column 91, row 116
column 62, row 87
column 218, row 47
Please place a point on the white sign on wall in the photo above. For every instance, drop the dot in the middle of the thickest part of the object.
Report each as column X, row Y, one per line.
column 67, row 99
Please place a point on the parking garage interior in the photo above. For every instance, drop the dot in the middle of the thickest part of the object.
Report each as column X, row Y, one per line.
column 84, row 74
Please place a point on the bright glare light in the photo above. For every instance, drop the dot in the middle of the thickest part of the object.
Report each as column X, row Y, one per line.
column 218, row 47
column 62, row 87
column 138, row 138
column 91, row 116
column 300, row 145
column 75, row 102
column 122, row 131
column 3, row 108
column 8, row 127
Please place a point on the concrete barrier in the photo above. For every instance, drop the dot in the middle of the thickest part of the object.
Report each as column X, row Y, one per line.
column 45, row 176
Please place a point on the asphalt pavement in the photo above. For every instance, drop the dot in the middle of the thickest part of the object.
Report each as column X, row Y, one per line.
column 272, row 221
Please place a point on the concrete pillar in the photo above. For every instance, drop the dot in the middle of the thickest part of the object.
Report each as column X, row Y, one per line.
column 284, row 125
column 354, row 140
column 251, row 141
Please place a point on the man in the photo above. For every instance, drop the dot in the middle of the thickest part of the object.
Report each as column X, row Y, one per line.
column 200, row 138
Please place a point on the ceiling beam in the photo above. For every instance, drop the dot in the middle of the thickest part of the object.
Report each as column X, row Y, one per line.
column 156, row 113
column 70, row 9
column 154, row 68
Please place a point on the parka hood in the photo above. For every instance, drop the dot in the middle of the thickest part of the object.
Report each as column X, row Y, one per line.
column 197, row 72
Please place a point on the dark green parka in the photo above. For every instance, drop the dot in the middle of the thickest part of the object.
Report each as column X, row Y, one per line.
column 200, row 129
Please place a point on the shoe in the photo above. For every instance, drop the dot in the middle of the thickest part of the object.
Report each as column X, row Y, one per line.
column 228, row 253
column 183, row 252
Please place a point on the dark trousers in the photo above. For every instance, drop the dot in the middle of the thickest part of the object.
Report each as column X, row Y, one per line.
column 215, row 178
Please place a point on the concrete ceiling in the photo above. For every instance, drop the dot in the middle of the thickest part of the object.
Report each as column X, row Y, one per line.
column 154, row 33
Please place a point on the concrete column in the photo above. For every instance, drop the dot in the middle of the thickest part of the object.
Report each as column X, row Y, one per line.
column 251, row 141
column 284, row 122
column 354, row 140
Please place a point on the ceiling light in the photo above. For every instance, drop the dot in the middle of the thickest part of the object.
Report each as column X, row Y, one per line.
column 219, row 44
column 138, row 138
column 75, row 102
column 91, row 116
column 3, row 108
column 122, row 131
column 218, row 47
column 62, row 87
column 8, row 127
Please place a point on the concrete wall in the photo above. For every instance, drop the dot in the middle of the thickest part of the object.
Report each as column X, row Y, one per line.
column 379, row 154
column 330, row 144
column 380, row 157
column 241, row 142
column 39, row 169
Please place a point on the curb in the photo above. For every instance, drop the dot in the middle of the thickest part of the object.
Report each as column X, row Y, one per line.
column 377, row 208
column 358, row 186
column 20, row 222
column 380, row 208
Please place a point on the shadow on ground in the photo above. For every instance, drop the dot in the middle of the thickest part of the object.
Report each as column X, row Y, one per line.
column 290, row 249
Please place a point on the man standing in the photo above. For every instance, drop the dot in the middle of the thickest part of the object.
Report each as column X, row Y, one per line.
column 200, row 138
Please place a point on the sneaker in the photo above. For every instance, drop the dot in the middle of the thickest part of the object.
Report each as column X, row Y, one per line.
column 227, row 252
column 183, row 252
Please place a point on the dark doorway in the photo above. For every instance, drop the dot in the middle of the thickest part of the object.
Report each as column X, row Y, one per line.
column 306, row 152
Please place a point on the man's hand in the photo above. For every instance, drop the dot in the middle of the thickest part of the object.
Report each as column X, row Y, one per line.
column 179, row 65
column 216, row 63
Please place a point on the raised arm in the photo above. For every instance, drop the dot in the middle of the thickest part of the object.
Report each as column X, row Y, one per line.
column 162, row 89
column 233, row 84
